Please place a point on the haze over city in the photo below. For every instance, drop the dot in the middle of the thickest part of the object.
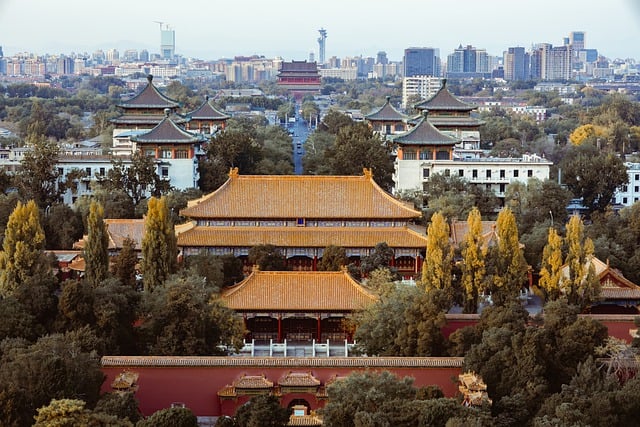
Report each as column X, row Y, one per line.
column 212, row 29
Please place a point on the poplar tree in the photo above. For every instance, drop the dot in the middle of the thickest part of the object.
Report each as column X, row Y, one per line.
column 22, row 254
column 96, row 251
column 473, row 262
column 508, row 266
column 551, row 271
column 159, row 247
column 581, row 286
column 436, row 270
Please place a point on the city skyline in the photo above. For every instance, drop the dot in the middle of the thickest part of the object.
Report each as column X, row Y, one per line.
column 207, row 31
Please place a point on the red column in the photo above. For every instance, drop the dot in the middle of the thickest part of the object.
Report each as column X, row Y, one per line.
column 319, row 328
column 279, row 327
column 315, row 263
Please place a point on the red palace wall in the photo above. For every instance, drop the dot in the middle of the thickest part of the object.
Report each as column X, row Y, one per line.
column 197, row 386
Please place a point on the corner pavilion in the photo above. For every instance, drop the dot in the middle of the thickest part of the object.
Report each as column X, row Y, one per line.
column 302, row 215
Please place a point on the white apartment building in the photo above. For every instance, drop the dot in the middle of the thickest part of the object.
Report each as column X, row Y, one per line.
column 629, row 193
column 493, row 174
column 423, row 86
column 340, row 73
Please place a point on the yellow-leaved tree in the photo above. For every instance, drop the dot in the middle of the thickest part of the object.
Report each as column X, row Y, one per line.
column 551, row 270
column 437, row 267
column 580, row 286
column 473, row 262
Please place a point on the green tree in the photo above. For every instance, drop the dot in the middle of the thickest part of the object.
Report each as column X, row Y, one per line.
column 122, row 405
column 334, row 258
column 22, row 255
column 137, row 180
column 267, row 258
column 115, row 310
column 438, row 262
column 581, row 287
column 96, row 251
column 170, row 417
column 62, row 227
column 125, row 264
column 333, row 121
column 506, row 264
column 593, row 175
column 75, row 305
column 159, row 247
column 71, row 413
column 473, row 262
column 39, row 178
column 551, row 271
column 262, row 411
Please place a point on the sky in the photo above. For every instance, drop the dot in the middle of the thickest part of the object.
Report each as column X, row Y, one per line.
column 213, row 29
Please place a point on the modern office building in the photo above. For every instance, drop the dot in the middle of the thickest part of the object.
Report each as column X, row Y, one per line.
column 167, row 42
column 421, row 61
column 516, row 64
column 468, row 61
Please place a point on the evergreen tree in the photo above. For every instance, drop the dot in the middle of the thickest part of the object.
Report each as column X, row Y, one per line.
column 22, row 256
column 507, row 263
column 38, row 178
column 124, row 265
column 551, row 271
column 438, row 262
column 159, row 247
column 473, row 262
column 581, row 287
column 96, row 252
column 333, row 258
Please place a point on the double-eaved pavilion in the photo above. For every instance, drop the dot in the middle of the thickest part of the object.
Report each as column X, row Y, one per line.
column 297, row 305
column 386, row 120
column 302, row 215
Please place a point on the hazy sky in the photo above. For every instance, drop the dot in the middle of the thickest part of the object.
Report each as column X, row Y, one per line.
column 212, row 29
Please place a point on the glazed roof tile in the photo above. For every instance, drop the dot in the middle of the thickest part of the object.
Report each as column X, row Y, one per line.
column 146, row 119
column 118, row 230
column 283, row 362
column 386, row 113
column 150, row 97
column 444, row 100
column 206, row 111
column 303, row 237
column 424, row 133
column 443, row 121
column 167, row 132
column 299, row 379
column 299, row 196
column 252, row 382
column 298, row 291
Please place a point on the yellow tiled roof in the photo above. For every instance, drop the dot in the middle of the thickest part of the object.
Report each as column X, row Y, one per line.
column 305, row 237
column 299, row 379
column 252, row 382
column 298, row 290
column 118, row 230
column 299, row 196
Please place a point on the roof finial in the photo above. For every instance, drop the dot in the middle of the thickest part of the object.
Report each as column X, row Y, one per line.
column 444, row 82
column 167, row 111
column 233, row 173
column 206, row 98
column 149, row 78
column 367, row 173
column 388, row 98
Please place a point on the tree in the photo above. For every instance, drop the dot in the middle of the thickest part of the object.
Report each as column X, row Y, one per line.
column 361, row 393
column 551, row 271
column 115, row 311
column 333, row 258
column 159, row 247
column 506, row 264
column 75, row 305
column 438, row 262
column 137, row 180
column 22, row 255
column 473, row 262
column 170, row 417
column 333, row 121
column 71, row 413
column 262, row 411
column 593, row 175
column 267, row 258
column 62, row 227
column 581, row 287
column 125, row 264
column 38, row 178
column 122, row 405
column 96, row 251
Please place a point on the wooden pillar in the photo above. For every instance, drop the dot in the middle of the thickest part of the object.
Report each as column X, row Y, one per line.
column 418, row 263
column 319, row 329
column 315, row 263
column 279, row 327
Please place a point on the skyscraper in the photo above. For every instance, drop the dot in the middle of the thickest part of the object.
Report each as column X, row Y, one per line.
column 321, row 44
column 516, row 63
column 167, row 42
column 576, row 39
column 421, row 61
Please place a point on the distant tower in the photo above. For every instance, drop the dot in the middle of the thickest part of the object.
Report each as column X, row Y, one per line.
column 321, row 41
column 167, row 41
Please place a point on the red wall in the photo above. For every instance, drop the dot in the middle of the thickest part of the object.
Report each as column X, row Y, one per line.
column 197, row 387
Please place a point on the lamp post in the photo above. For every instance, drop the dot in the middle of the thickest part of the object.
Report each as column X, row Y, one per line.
column 551, row 213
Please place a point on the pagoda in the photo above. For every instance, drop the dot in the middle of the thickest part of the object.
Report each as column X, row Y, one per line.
column 386, row 120
column 299, row 78
column 206, row 119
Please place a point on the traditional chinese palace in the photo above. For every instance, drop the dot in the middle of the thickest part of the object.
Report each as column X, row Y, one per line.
column 297, row 305
column 299, row 78
column 302, row 215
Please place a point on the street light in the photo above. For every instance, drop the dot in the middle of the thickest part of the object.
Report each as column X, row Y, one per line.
column 551, row 213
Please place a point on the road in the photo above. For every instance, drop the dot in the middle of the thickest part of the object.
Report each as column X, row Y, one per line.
column 300, row 134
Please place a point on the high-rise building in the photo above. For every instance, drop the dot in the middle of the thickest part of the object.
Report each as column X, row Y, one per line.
column 167, row 42
column 421, row 87
column 468, row 62
column 1, row 54
column 421, row 61
column 555, row 62
column 322, row 40
column 576, row 39
column 516, row 64
column 113, row 55
column 381, row 58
